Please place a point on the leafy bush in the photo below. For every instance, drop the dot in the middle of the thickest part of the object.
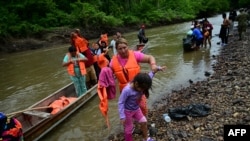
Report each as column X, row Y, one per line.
column 130, row 19
column 26, row 17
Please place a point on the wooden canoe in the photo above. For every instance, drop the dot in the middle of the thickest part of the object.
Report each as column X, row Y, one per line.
column 37, row 123
column 187, row 44
column 141, row 47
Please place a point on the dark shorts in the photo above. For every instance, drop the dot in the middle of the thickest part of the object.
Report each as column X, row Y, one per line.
column 198, row 42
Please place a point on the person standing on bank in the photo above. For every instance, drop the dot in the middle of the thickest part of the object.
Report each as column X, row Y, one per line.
column 242, row 23
column 209, row 27
column 232, row 16
column 141, row 34
column 74, row 61
column 125, row 65
column 224, row 31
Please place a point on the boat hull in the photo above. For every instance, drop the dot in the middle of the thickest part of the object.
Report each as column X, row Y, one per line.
column 187, row 44
column 141, row 47
column 38, row 123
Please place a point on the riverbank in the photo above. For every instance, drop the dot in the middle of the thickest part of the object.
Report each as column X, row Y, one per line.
column 226, row 92
column 61, row 35
column 56, row 37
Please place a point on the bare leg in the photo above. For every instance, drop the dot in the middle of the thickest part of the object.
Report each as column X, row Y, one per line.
column 144, row 130
column 205, row 42
column 209, row 41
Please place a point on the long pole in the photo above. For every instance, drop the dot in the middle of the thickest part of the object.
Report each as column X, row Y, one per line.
column 36, row 108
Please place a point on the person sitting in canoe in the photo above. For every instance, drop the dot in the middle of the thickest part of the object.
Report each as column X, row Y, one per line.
column 10, row 129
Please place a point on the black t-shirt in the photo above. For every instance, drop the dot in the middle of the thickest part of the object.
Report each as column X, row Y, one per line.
column 232, row 15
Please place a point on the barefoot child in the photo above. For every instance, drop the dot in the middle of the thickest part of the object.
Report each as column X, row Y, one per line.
column 128, row 104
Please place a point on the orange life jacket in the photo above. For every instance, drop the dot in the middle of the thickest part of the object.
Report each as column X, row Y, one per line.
column 104, row 37
column 103, row 105
column 102, row 61
column 95, row 58
column 81, row 44
column 127, row 73
column 70, row 67
column 60, row 103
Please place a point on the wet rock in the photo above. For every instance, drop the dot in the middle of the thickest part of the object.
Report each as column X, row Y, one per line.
column 207, row 73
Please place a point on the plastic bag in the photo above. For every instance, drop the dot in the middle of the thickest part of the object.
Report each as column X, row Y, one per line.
column 193, row 110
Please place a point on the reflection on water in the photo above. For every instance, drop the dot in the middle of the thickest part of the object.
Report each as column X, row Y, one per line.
column 27, row 77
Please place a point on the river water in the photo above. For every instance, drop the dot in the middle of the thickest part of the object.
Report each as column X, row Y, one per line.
column 29, row 76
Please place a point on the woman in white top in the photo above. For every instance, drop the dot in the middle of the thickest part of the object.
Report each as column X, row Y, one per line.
column 112, row 44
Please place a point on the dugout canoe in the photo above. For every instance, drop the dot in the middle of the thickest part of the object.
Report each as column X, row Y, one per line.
column 141, row 47
column 39, row 122
column 187, row 44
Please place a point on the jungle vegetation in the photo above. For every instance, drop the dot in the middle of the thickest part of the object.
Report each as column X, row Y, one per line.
column 23, row 18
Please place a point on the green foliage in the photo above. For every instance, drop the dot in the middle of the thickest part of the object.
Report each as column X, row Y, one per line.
column 27, row 17
column 170, row 14
column 6, row 20
column 244, row 3
column 86, row 15
column 156, row 15
column 216, row 6
column 24, row 29
column 130, row 19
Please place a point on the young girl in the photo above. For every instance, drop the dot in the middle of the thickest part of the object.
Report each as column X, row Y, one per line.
column 206, row 37
column 128, row 104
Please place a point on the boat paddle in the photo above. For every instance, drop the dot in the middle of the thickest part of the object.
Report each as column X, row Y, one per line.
column 36, row 108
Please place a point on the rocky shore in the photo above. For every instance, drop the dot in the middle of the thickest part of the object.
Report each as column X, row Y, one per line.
column 226, row 92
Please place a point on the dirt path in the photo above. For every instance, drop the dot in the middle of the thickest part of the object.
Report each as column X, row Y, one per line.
column 226, row 92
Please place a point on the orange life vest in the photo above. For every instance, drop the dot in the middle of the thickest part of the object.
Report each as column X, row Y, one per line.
column 127, row 73
column 104, row 37
column 95, row 58
column 81, row 44
column 102, row 61
column 103, row 105
column 60, row 103
column 70, row 67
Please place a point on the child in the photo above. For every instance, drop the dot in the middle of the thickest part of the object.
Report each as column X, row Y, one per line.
column 100, row 60
column 206, row 38
column 128, row 103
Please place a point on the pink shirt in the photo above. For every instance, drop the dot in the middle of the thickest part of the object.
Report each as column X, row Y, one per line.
column 138, row 56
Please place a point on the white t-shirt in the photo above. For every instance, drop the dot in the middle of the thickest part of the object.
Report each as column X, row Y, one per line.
column 112, row 43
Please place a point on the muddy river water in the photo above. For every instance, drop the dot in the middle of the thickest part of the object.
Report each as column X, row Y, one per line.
column 29, row 76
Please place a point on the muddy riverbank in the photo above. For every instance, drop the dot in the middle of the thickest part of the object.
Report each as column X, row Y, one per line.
column 53, row 38
column 226, row 92
column 61, row 35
